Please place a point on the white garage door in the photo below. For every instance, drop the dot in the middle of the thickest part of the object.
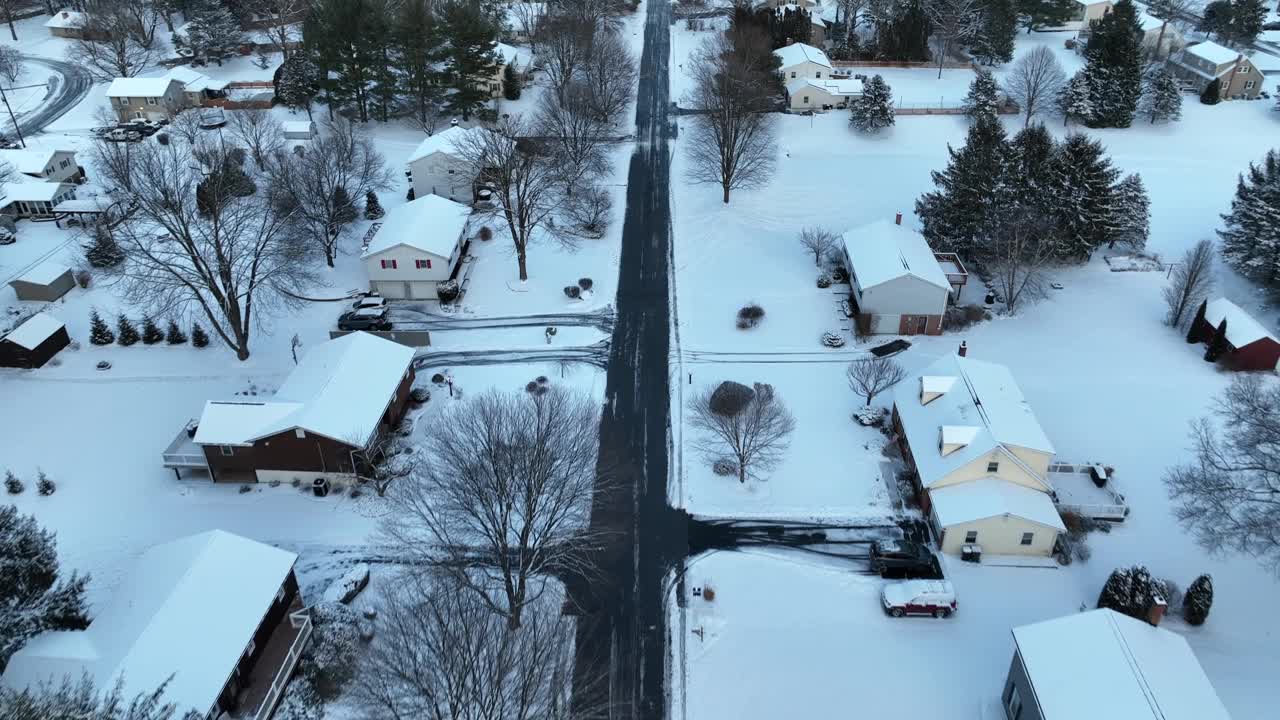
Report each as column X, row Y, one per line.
column 393, row 290
column 422, row 290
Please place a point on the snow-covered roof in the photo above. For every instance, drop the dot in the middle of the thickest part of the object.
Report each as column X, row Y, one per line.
column 152, row 87
column 1213, row 52
column 1242, row 328
column 442, row 141
column 31, row 161
column 35, row 330
column 959, row 434
column 30, row 191
column 193, row 81
column 884, row 250
column 96, row 204
column 66, row 18
column 990, row 497
column 1090, row 3
column 1149, row 22
column 984, row 396
column 431, row 224
column 339, row 390
column 1103, row 664
column 937, row 384
column 45, row 273
column 188, row 609
column 839, row 88
column 797, row 53
column 512, row 55
column 298, row 126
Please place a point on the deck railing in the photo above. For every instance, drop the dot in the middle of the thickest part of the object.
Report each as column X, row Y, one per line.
column 301, row 621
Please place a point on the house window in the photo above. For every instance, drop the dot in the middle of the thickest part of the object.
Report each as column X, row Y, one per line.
column 299, row 433
column 64, row 164
column 793, row 73
column 388, row 264
column 993, row 466
column 1028, row 538
column 804, row 99
column 1248, row 85
column 1244, row 70
column 422, row 264
column 818, row 74
column 1014, row 705
column 971, row 537
column 226, row 450
column 151, row 101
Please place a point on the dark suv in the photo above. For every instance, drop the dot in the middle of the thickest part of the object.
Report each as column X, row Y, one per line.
column 365, row 319
column 902, row 558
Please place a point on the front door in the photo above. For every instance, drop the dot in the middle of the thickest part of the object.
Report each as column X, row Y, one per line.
column 919, row 323
column 408, row 290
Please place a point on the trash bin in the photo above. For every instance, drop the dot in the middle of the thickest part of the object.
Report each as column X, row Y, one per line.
column 971, row 553
column 1099, row 475
column 320, row 486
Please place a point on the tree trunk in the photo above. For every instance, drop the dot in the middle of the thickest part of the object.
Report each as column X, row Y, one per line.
column 726, row 193
column 524, row 268
column 869, row 400
column 1160, row 40
column 12, row 32
column 742, row 472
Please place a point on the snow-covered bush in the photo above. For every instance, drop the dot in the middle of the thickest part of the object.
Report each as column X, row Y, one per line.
column 573, row 292
column 824, row 281
column 419, row 395
column 868, row 416
column 12, row 484
column 44, row 485
column 485, row 233
column 1198, row 600
column 447, row 291
column 751, row 315
column 1129, row 591
column 832, row 340
column 328, row 663
column 724, row 467
column 585, row 283
column 82, row 278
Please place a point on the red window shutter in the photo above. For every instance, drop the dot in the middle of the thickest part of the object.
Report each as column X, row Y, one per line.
column 428, row 263
column 384, row 264
column 393, row 264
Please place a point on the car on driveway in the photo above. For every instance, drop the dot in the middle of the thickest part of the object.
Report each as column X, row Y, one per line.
column 365, row 319
column 919, row 597
column 901, row 557
column 369, row 301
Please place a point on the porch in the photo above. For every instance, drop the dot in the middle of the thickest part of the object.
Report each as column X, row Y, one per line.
column 1075, row 491
column 266, row 682
column 183, row 452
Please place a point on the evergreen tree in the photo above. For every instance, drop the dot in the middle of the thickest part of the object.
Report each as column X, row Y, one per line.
column 1251, row 231
column 1192, row 337
column 213, row 32
column 126, row 332
column 12, row 484
column 873, row 109
column 1133, row 213
column 33, row 594
column 104, row 251
column 1247, row 18
column 342, row 37
column 99, row 332
column 198, row 338
column 1084, row 196
column 1218, row 345
column 1075, row 102
column 1129, row 591
column 1212, row 93
column 902, row 32
column 1198, row 600
column 1116, row 591
column 1034, row 172
column 993, row 44
column 1114, row 67
column 297, row 81
column 510, row 82
column 1036, row 14
column 344, row 210
column 173, row 334
column 418, row 53
column 984, row 96
column 956, row 215
column 44, row 485
column 151, row 332
column 1161, row 96
column 471, row 31
column 372, row 208
column 1216, row 19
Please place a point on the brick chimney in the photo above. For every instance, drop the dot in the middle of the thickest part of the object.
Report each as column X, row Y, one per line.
column 1155, row 613
column 964, row 348
column 65, row 14
column 897, row 219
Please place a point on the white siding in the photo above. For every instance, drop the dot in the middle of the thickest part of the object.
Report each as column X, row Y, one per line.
column 805, row 69
column 442, row 174
column 903, row 296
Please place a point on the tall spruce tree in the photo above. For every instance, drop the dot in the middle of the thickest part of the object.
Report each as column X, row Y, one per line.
column 956, row 215
column 993, row 44
column 1197, row 600
column 1251, row 231
column 1193, row 332
column 126, row 331
column 1161, row 96
column 1075, row 102
column 297, row 81
column 104, row 251
column 1083, row 186
column 1247, row 18
column 419, row 53
column 99, row 332
column 471, row 32
column 1132, row 213
column 984, row 96
column 1036, row 14
column 1212, row 93
column 873, row 109
column 1216, row 19
column 1114, row 67
column 1218, row 345
column 1034, row 170
column 213, row 32
column 340, row 36
column 34, row 594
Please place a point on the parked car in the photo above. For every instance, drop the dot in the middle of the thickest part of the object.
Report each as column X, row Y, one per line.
column 365, row 319
column 369, row 300
column 919, row 597
column 7, row 237
column 122, row 135
column 901, row 555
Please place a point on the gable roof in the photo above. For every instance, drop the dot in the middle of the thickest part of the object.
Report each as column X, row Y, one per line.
column 884, row 250
column 431, row 224
column 442, row 141
column 31, row 161
column 1103, row 664
column 840, row 88
column 797, row 53
column 34, row 330
column 66, row 18
column 1242, row 328
column 984, row 397
column 992, row 497
column 45, row 273
column 140, row 87
column 1213, row 52
column 28, row 189
column 511, row 54
column 188, row 608
column 339, row 390
column 193, row 81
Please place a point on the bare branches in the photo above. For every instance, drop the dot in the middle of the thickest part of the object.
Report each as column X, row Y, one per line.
column 819, row 241
column 954, row 23
column 503, row 495
column 868, row 376
column 10, row 63
column 117, row 39
column 259, row 131
column 755, row 430
column 1019, row 246
column 1189, row 283
column 609, row 76
column 1034, row 82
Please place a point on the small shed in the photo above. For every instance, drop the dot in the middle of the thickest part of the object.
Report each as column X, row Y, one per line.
column 1250, row 345
column 31, row 344
column 46, row 282
column 299, row 130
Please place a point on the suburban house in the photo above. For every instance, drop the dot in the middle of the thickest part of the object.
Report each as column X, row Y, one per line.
column 198, row 87
column 34, row 198
column 1102, row 664
column 299, row 129
column 1086, row 12
column 803, row 4
column 1152, row 42
column 803, row 61
column 520, row 19
column 68, row 23
column 898, row 287
column 45, row 282
column 518, row 58
column 980, row 457
column 155, row 98
column 437, row 168
column 1250, row 346
column 325, row 420
column 1200, row 64
column 824, row 94
column 47, row 165
column 419, row 245
column 216, row 615
column 33, row 342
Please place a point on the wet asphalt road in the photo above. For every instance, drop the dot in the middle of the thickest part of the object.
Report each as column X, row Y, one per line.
column 72, row 87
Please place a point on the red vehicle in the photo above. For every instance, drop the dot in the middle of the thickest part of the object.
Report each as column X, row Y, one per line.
column 919, row 597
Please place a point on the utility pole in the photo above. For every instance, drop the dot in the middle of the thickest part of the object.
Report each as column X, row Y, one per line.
column 5, row 99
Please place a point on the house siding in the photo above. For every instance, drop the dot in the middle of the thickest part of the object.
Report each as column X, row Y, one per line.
column 1262, row 354
column 45, row 293
column 1008, row 470
column 1017, row 678
column 806, row 69
column 999, row 535
column 16, row 356
column 173, row 100
column 406, row 281
column 270, row 620
column 442, row 174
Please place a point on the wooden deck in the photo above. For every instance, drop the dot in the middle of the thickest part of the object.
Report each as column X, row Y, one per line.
column 264, row 684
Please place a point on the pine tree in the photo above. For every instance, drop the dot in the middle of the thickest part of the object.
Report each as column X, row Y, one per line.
column 198, row 338
column 1161, row 96
column 344, row 210
column 1212, row 93
column 151, row 332
column 1198, row 600
column 1129, row 591
column 994, row 42
column 126, row 332
column 1032, row 179
column 1193, row 331
column 297, row 81
column 372, row 208
column 510, row 83
column 1216, row 18
column 1132, row 213
column 1114, row 66
column 12, row 484
column 173, row 334
column 1247, row 18
column 1251, row 232
column 471, row 34
column 99, row 333
column 984, row 96
column 32, row 591
column 873, row 110
column 1218, row 345
column 1036, row 14
column 1084, row 197
column 103, row 251
column 44, row 485
column 213, row 32
column 1116, row 591
column 956, row 215
column 1075, row 101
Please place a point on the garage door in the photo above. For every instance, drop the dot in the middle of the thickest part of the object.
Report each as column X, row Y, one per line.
column 422, row 290
column 393, row 290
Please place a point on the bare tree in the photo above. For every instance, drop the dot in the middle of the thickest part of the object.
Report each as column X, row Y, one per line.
column 577, row 133
column 1019, row 247
column 281, row 15
column 528, row 183
column 870, row 375
column 850, row 10
column 1228, row 496
column 751, row 424
column 502, row 496
column 6, row 173
column 819, row 241
column 525, row 17
column 112, row 43
column 10, row 63
column 1169, row 11
column 564, row 44
column 229, row 259
column 320, row 186
column 259, row 131
column 9, row 7
column 185, row 124
column 440, row 654
column 1034, row 82
column 732, row 140
column 1189, row 283
column 609, row 76
column 954, row 22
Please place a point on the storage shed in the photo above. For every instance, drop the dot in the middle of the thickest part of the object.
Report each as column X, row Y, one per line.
column 1250, row 345
column 46, row 282
column 31, row 344
column 898, row 288
column 299, row 130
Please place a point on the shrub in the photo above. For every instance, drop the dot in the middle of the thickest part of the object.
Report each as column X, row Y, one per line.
column 419, row 395
column 174, row 334
column 245, row 488
column 163, row 138
column 832, row 340
column 959, row 317
column 274, row 483
column 541, row 380
column 12, row 484
column 296, row 482
column 438, row 379
column 151, row 332
column 731, row 398
column 751, row 314
column 824, row 282
column 126, row 332
column 372, row 208
column 531, row 387
column 1212, row 94
column 329, row 659
column 82, row 278
column 447, row 291
column 585, row 283
column 725, row 467
column 573, row 292
column 743, row 324
column 1129, row 591
column 44, row 485
column 198, row 338
column 485, row 234
column 409, row 195
column 1198, row 600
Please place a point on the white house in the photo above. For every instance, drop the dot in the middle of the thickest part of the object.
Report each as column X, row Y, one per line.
column 419, row 245
column 508, row 55
column 824, row 94
column 33, row 198
column 980, row 457
column 437, row 168
column 196, row 86
column 1151, row 37
column 803, row 61
column 44, row 164
column 1088, row 11
column 898, row 286
column 154, row 98
column 299, row 129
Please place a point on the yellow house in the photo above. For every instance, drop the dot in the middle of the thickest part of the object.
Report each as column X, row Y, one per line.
column 980, row 456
